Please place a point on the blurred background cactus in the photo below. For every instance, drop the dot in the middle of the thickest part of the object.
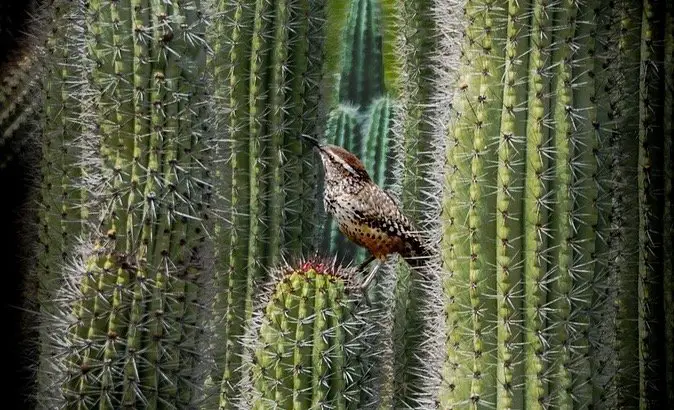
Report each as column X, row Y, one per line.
column 164, row 254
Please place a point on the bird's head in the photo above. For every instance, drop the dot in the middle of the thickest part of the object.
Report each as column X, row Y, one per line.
column 339, row 163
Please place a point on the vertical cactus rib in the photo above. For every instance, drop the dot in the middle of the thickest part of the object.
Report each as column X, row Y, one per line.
column 537, row 202
column 277, row 83
column 143, row 180
column 651, row 201
column 362, row 77
column 238, row 42
column 562, row 213
column 456, row 246
column 305, row 340
column 668, row 240
column 509, row 210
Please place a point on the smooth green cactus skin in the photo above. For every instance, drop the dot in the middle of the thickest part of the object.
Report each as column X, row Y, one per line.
column 308, row 342
column 570, row 133
column 266, row 70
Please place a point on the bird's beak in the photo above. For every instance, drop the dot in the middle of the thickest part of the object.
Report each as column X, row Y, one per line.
column 313, row 142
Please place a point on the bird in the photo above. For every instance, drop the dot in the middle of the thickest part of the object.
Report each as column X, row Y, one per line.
column 364, row 212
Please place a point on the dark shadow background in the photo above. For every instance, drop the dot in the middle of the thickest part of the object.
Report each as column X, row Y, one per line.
column 14, row 185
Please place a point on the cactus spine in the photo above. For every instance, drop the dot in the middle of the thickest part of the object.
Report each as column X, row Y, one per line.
column 308, row 341
column 572, row 267
column 266, row 74
column 124, row 320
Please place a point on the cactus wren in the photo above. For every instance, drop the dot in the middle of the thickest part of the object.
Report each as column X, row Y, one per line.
column 365, row 213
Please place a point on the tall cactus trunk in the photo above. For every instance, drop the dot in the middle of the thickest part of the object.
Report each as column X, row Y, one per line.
column 266, row 66
column 555, row 129
column 130, row 149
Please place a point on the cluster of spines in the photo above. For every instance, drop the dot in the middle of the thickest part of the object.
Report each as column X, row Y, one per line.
column 566, row 251
column 307, row 343
column 124, row 326
column 362, row 77
column 60, row 206
column 266, row 74
column 416, row 319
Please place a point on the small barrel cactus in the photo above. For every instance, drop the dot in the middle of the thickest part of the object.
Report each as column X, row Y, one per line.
column 309, row 341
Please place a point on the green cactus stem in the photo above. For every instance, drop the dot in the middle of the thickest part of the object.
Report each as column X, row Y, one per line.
column 575, row 125
column 266, row 74
column 307, row 341
column 125, row 326
column 362, row 78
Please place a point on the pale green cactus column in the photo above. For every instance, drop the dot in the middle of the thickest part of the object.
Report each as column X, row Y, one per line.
column 128, row 131
column 557, row 169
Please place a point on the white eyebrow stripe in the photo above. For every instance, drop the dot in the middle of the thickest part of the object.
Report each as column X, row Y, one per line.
column 343, row 163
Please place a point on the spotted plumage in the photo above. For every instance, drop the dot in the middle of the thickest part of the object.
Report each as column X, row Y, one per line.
column 365, row 213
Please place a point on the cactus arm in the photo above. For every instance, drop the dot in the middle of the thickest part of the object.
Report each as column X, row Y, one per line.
column 509, row 208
